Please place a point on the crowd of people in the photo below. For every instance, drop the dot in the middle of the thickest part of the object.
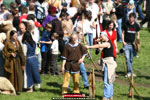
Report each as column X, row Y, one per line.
column 36, row 33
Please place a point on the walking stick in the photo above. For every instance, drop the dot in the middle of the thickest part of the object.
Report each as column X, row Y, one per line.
column 131, row 83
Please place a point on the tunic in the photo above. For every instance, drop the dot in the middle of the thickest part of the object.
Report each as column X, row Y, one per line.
column 13, row 65
column 72, row 54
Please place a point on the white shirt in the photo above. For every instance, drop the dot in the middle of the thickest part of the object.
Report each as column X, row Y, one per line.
column 24, row 47
column 54, row 47
column 87, row 26
column 94, row 9
column 3, row 16
column 1, row 46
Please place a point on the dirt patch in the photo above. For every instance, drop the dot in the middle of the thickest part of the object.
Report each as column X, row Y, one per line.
column 99, row 76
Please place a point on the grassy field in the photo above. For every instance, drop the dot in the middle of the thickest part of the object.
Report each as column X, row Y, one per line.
column 51, row 85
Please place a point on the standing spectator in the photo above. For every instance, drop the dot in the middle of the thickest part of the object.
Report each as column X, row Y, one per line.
column 14, row 61
column 93, row 7
column 111, row 33
column 83, row 71
column 45, row 48
column 88, row 28
column 24, row 13
column 108, row 8
column 2, row 40
column 23, row 29
column 130, row 9
column 137, row 4
column 54, row 54
column 16, row 20
column 100, row 15
column 57, row 27
column 73, row 56
column 51, row 15
column 119, row 13
column 31, row 9
column 67, row 26
column 130, row 30
column 147, row 18
column 3, row 13
column 32, row 71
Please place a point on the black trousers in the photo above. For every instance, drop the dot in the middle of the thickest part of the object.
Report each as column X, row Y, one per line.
column 61, row 44
column 146, row 19
column 53, row 64
column 45, row 61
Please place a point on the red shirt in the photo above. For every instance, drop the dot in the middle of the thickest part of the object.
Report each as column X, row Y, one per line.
column 37, row 24
column 112, row 38
column 24, row 16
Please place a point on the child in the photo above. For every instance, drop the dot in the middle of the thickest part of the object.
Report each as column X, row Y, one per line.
column 45, row 47
column 54, row 54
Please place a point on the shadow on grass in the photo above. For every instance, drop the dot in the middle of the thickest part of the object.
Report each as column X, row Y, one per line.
column 96, row 74
column 96, row 96
column 54, row 84
column 54, row 91
column 137, row 97
column 120, row 73
column 147, row 77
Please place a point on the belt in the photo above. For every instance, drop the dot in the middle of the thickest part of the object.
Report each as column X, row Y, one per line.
column 31, row 56
column 129, row 43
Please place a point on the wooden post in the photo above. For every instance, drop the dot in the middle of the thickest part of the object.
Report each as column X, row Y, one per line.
column 132, row 87
column 92, row 85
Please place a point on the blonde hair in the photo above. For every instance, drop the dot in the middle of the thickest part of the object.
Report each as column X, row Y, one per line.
column 113, row 17
column 2, row 37
column 131, row 6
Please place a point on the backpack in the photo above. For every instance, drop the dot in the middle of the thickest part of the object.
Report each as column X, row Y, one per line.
column 39, row 13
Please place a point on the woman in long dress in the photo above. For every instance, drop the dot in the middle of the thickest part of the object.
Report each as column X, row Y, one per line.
column 32, row 71
column 14, row 61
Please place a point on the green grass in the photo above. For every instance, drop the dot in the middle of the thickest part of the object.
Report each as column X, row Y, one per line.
column 51, row 85
column 140, row 65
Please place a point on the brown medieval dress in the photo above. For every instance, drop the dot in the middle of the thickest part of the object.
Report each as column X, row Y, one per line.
column 12, row 66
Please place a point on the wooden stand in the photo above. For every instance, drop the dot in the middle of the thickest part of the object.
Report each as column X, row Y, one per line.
column 92, row 84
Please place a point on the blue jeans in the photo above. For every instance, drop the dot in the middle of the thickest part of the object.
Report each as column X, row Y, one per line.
column 108, row 88
column 39, row 60
column 84, row 75
column 119, row 29
column 138, row 8
column 128, row 51
column 89, row 39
